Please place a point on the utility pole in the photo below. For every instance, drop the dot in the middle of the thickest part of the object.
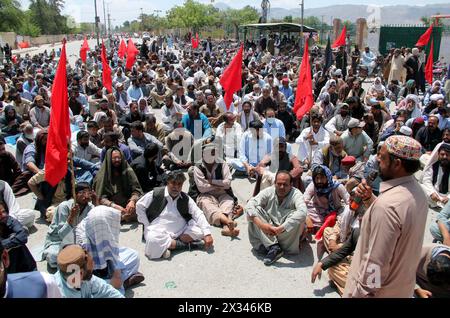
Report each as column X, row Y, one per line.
column 321, row 31
column 109, row 21
column 142, row 19
column 331, row 29
column 104, row 17
column 97, row 20
column 301, row 30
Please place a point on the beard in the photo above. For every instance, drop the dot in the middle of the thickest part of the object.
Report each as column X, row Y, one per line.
column 87, row 275
column 444, row 164
column 320, row 185
column 3, row 286
column 382, row 176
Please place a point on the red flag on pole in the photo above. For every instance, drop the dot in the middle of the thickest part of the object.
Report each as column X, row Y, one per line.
column 122, row 49
column 83, row 50
column 194, row 43
column 106, row 73
column 231, row 79
column 304, row 97
column 132, row 51
column 425, row 38
column 59, row 129
column 340, row 41
column 429, row 65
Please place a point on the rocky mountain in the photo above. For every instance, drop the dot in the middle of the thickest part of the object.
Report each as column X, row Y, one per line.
column 398, row 14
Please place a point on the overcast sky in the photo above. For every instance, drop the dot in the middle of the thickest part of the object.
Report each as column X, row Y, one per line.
column 121, row 10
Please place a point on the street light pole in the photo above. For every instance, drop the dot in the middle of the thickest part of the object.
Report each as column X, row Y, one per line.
column 109, row 21
column 301, row 30
column 97, row 19
column 104, row 18
column 321, row 31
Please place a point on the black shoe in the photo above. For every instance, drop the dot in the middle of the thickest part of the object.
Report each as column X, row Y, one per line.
column 180, row 245
column 274, row 254
column 262, row 250
column 197, row 245
column 133, row 280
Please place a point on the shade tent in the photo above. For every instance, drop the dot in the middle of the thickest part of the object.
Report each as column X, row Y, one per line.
column 278, row 27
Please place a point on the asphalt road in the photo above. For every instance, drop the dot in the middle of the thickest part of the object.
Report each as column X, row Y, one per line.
column 230, row 270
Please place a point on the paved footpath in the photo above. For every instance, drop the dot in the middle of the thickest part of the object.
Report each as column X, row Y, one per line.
column 230, row 270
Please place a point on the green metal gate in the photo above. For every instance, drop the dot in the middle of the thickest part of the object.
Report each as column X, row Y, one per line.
column 407, row 36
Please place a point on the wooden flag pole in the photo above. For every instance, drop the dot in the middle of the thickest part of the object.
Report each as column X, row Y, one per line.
column 72, row 172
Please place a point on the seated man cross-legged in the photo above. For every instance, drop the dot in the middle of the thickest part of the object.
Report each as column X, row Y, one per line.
column 172, row 220
column 276, row 218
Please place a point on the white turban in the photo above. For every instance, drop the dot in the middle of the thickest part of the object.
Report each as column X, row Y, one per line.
column 436, row 97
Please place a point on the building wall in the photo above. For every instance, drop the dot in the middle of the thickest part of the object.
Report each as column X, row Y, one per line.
column 445, row 48
column 8, row 37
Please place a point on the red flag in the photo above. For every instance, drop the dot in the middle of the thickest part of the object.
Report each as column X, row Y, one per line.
column 304, row 97
column 83, row 50
column 122, row 49
column 106, row 73
column 59, row 129
column 195, row 41
column 425, row 38
column 231, row 79
column 132, row 51
column 340, row 41
column 330, row 221
column 429, row 65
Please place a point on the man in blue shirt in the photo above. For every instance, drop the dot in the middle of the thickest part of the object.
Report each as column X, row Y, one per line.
column 134, row 92
column 273, row 126
column 197, row 123
column 285, row 88
column 75, row 279
column 25, row 285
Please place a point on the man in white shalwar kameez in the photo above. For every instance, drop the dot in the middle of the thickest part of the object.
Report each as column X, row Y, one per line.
column 311, row 139
column 173, row 221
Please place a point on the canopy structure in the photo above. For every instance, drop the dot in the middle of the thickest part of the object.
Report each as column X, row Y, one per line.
column 277, row 27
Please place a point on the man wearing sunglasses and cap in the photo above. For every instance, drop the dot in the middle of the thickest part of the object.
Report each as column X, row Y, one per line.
column 67, row 216
column 356, row 142
column 75, row 279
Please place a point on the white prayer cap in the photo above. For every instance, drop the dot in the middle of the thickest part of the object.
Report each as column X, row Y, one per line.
column 436, row 97
column 405, row 130
column 338, row 72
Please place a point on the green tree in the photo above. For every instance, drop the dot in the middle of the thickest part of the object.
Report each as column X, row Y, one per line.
column 235, row 17
column 153, row 22
column 28, row 27
column 193, row 15
column 428, row 21
column 10, row 15
column 47, row 16
column 288, row 19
